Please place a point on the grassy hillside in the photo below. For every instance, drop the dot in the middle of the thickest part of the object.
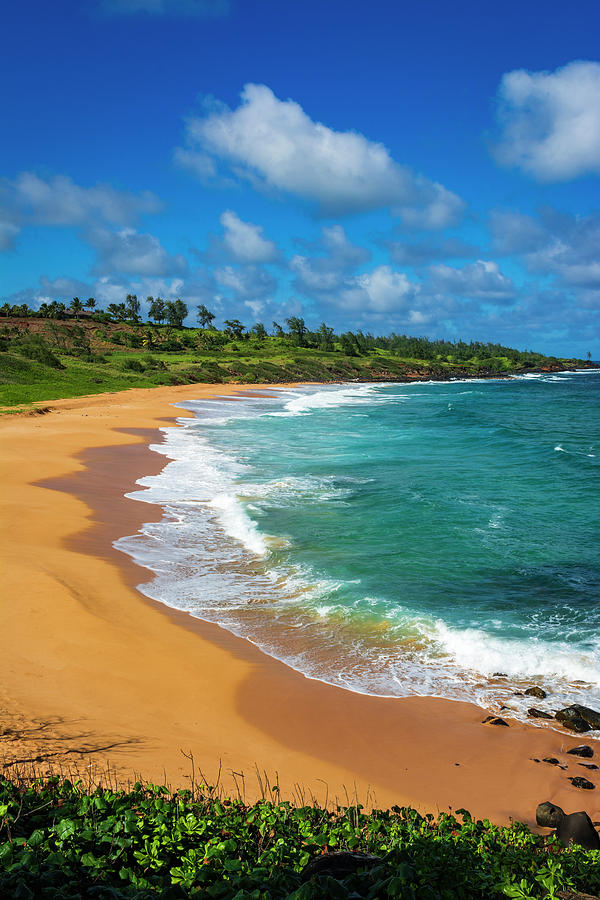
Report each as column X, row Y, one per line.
column 60, row 841
column 43, row 359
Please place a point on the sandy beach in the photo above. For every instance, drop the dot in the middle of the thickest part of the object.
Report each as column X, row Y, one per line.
column 93, row 672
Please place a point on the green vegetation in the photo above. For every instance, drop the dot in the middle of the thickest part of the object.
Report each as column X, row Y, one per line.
column 67, row 352
column 60, row 841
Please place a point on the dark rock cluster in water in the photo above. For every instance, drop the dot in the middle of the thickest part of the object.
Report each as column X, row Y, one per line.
column 579, row 718
column 576, row 717
column 534, row 713
column 538, row 692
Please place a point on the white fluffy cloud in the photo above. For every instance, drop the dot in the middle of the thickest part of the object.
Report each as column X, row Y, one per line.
column 335, row 258
column 551, row 121
column 341, row 253
column 59, row 201
column 418, row 253
column 380, row 291
column 481, row 280
column 245, row 241
column 275, row 145
column 253, row 286
column 9, row 229
column 552, row 243
column 131, row 253
column 329, row 277
column 31, row 200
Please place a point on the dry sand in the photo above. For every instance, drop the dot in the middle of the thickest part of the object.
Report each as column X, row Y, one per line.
column 93, row 672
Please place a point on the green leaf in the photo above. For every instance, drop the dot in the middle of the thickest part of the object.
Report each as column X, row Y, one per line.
column 37, row 838
column 65, row 829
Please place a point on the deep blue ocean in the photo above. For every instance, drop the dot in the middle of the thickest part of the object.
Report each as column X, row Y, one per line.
column 394, row 539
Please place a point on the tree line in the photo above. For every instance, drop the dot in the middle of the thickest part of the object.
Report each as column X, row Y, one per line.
column 357, row 343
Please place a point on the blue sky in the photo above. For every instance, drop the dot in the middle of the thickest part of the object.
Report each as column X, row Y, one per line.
column 430, row 168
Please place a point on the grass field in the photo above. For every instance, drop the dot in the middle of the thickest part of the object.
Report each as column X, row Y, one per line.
column 42, row 360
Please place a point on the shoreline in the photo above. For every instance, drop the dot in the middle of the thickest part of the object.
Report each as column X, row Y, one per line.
column 109, row 663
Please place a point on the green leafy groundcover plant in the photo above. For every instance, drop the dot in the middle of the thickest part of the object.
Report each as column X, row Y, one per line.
column 60, row 841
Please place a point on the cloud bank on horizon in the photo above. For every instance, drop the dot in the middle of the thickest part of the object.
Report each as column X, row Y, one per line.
column 268, row 209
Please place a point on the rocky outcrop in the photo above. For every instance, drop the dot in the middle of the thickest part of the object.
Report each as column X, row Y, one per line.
column 534, row 713
column 553, row 761
column 575, row 895
column 339, row 865
column 582, row 783
column 548, row 815
column 538, row 692
column 579, row 718
column 572, row 720
column 577, row 828
column 582, row 750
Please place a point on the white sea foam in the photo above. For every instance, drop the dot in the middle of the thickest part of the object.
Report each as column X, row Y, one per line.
column 211, row 559
column 238, row 524
column 303, row 401
column 478, row 651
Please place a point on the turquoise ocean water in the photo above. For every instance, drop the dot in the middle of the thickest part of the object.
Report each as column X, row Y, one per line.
column 394, row 539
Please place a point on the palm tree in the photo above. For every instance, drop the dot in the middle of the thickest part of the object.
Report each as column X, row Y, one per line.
column 132, row 306
column 90, row 304
column 76, row 306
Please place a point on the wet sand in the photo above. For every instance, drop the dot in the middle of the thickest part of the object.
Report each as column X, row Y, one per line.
column 93, row 672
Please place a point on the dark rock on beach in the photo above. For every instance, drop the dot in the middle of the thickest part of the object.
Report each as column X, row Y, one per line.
column 551, row 760
column 548, row 815
column 582, row 750
column 575, row 895
column 538, row 692
column 576, row 723
column 573, row 716
column 577, row 828
column 583, row 783
column 588, row 765
column 534, row 713
column 494, row 720
column 339, row 865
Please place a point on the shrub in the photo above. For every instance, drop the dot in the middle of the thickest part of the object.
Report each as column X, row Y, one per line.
column 151, row 362
column 33, row 346
column 133, row 340
column 132, row 365
column 59, row 841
